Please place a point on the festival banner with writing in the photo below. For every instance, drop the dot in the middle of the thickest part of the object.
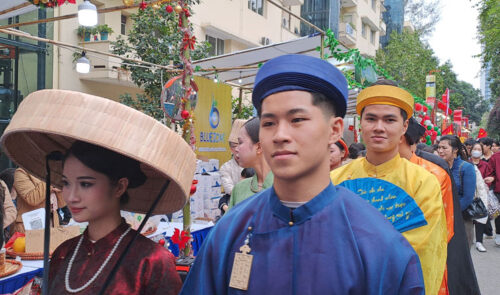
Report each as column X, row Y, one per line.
column 213, row 120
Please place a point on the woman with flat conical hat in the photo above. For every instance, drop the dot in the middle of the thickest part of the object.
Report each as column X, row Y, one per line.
column 105, row 157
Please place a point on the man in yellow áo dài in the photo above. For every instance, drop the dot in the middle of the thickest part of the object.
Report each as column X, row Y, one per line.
column 407, row 194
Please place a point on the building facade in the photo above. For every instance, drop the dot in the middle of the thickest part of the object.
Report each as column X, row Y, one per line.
column 361, row 25
column 485, row 82
column 393, row 18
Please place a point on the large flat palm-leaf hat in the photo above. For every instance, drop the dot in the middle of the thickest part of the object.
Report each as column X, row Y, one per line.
column 52, row 120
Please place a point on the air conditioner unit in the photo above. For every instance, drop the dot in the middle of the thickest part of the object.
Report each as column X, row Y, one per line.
column 265, row 41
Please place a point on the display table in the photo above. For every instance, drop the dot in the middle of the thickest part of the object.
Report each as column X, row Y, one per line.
column 30, row 269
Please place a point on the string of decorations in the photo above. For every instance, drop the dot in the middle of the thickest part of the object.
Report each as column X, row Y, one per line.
column 360, row 63
column 50, row 3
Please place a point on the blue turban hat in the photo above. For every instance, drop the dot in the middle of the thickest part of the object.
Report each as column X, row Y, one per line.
column 301, row 72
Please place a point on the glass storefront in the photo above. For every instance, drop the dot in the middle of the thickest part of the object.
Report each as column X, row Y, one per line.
column 25, row 66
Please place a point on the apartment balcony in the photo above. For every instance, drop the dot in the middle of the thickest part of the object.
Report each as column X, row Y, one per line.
column 347, row 34
column 349, row 3
column 105, row 69
column 382, row 28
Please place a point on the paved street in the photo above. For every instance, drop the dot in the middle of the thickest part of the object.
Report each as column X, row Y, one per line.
column 487, row 267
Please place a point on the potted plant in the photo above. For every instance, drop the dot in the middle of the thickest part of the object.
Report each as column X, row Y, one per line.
column 84, row 33
column 104, row 31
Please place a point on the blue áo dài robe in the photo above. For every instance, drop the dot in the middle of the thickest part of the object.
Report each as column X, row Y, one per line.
column 336, row 243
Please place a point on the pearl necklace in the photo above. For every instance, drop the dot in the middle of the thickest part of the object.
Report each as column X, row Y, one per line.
column 68, row 270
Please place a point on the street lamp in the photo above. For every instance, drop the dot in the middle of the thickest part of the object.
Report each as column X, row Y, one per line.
column 87, row 14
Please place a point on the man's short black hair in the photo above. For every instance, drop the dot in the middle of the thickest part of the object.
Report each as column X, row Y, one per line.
column 486, row 141
column 324, row 103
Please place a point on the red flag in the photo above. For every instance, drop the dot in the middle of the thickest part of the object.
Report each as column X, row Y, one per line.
column 457, row 117
column 448, row 130
column 482, row 133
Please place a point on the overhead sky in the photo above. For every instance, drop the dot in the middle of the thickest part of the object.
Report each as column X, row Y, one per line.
column 455, row 38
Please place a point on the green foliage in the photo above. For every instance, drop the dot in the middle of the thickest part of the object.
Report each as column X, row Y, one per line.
column 143, row 103
column 489, row 32
column 104, row 29
column 81, row 30
column 240, row 110
column 493, row 126
column 360, row 62
column 154, row 37
column 409, row 60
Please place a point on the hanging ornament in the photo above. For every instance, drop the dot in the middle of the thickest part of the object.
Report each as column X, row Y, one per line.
column 185, row 114
column 429, row 127
column 128, row 2
column 143, row 5
column 169, row 9
column 436, row 128
column 193, row 189
column 186, row 12
column 427, row 122
column 171, row 97
column 178, row 9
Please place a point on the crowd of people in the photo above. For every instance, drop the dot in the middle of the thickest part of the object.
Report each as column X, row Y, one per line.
column 303, row 211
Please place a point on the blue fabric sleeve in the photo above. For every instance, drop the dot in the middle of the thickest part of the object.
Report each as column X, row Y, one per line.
column 469, row 186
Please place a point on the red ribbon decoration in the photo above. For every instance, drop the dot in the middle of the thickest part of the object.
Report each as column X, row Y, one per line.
column 189, row 41
column 61, row 2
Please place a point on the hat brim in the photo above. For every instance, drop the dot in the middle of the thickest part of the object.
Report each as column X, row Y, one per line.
column 51, row 120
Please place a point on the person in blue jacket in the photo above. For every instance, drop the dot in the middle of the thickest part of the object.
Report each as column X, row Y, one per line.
column 303, row 235
column 451, row 149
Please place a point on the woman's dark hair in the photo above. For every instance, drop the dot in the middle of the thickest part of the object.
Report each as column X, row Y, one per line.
column 355, row 150
column 252, row 127
column 470, row 142
column 456, row 144
column 7, row 175
column 247, row 172
column 112, row 164
column 341, row 147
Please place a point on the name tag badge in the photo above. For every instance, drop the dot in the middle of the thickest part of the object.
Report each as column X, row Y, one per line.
column 242, row 266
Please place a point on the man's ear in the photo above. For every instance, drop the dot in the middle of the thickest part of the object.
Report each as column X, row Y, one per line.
column 259, row 148
column 336, row 129
column 405, row 125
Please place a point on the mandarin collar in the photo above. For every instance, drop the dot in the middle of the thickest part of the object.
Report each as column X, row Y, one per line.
column 109, row 239
column 382, row 169
column 304, row 212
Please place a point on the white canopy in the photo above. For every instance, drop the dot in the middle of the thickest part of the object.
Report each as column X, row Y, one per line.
column 254, row 57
